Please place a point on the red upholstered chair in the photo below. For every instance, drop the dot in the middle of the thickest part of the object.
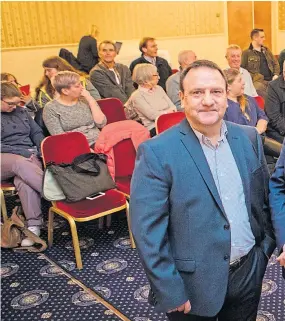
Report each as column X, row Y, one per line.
column 165, row 121
column 125, row 157
column 62, row 149
column 113, row 109
column 174, row 71
column 5, row 187
column 260, row 102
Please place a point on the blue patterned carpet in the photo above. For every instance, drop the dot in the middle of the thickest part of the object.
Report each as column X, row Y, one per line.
column 110, row 263
column 110, row 268
column 34, row 289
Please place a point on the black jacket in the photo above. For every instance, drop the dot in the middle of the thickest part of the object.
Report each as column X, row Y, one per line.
column 275, row 109
column 163, row 68
column 88, row 53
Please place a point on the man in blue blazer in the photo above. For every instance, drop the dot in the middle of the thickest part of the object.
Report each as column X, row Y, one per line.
column 199, row 211
column 277, row 205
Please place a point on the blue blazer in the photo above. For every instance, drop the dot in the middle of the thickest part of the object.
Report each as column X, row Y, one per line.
column 277, row 200
column 178, row 220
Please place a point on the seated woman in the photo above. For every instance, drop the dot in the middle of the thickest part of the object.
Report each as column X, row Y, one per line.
column 52, row 65
column 149, row 101
column 20, row 146
column 242, row 109
column 74, row 109
column 26, row 98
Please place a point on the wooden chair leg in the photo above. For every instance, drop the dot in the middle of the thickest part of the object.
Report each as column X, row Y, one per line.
column 133, row 245
column 101, row 223
column 3, row 207
column 75, row 243
column 50, row 226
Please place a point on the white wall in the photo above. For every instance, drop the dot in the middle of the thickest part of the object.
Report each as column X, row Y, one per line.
column 26, row 64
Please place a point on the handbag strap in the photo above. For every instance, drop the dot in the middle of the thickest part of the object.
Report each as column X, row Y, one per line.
column 86, row 157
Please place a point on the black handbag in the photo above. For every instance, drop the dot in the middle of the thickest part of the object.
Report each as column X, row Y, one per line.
column 87, row 174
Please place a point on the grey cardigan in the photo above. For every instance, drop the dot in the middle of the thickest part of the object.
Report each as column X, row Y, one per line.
column 104, row 80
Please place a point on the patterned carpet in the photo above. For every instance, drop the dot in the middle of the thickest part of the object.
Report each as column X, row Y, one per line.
column 110, row 268
column 34, row 289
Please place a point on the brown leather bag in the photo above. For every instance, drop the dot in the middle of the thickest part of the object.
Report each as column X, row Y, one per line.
column 14, row 230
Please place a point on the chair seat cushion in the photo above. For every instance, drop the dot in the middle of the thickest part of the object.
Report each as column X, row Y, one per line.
column 124, row 184
column 86, row 208
column 7, row 184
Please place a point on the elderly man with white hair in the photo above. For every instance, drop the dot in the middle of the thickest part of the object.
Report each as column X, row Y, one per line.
column 233, row 56
column 185, row 59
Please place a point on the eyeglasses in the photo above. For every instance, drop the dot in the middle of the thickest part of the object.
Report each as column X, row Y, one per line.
column 10, row 103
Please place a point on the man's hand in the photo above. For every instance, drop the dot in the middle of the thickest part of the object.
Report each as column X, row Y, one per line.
column 281, row 257
column 186, row 307
column 274, row 77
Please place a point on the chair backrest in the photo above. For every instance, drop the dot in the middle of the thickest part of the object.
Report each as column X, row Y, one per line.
column 125, row 157
column 174, row 71
column 113, row 109
column 63, row 148
column 260, row 102
column 165, row 121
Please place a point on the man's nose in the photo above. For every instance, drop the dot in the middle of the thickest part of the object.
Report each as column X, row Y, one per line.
column 208, row 99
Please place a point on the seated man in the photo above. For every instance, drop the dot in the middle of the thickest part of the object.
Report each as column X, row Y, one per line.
column 110, row 78
column 275, row 108
column 148, row 48
column 185, row 59
column 233, row 56
column 260, row 62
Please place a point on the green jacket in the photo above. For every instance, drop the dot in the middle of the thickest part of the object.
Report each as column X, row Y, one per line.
column 251, row 61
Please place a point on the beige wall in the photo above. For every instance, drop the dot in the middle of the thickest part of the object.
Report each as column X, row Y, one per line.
column 278, row 26
column 46, row 23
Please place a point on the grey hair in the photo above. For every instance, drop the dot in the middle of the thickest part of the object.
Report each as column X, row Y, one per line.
column 64, row 79
column 143, row 73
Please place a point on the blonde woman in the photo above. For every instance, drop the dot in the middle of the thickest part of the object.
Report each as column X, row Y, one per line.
column 149, row 101
column 242, row 109
column 74, row 110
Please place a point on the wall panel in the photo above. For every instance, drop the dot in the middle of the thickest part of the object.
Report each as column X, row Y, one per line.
column 281, row 15
column 39, row 23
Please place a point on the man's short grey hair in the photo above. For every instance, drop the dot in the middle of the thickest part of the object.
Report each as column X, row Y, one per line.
column 143, row 73
column 183, row 54
column 232, row 47
column 64, row 79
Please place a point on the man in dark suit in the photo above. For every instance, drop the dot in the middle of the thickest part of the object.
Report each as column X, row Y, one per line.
column 148, row 48
column 199, row 210
column 277, row 205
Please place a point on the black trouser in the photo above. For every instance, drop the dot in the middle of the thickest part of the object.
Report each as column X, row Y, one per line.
column 243, row 293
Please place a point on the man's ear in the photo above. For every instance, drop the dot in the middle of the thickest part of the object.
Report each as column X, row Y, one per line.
column 181, row 95
column 144, row 49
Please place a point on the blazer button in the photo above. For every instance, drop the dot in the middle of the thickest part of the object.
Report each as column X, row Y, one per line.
column 226, row 257
column 226, row 227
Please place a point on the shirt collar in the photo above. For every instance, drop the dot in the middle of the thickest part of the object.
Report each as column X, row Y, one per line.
column 206, row 141
column 152, row 60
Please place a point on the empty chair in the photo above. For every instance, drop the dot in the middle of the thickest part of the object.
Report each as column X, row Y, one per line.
column 260, row 102
column 163, row 122
column 113, row 109
column 64, row 148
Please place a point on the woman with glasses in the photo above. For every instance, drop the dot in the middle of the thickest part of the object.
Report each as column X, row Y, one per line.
column 21, row 139
column 149, row 101
column 26, row 98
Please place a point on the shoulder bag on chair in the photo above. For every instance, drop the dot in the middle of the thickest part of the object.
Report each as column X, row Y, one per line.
column 88, row 174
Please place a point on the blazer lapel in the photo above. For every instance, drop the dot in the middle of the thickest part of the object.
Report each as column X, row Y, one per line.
column 192, row 144
column 110, row 75
column 237, row 149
